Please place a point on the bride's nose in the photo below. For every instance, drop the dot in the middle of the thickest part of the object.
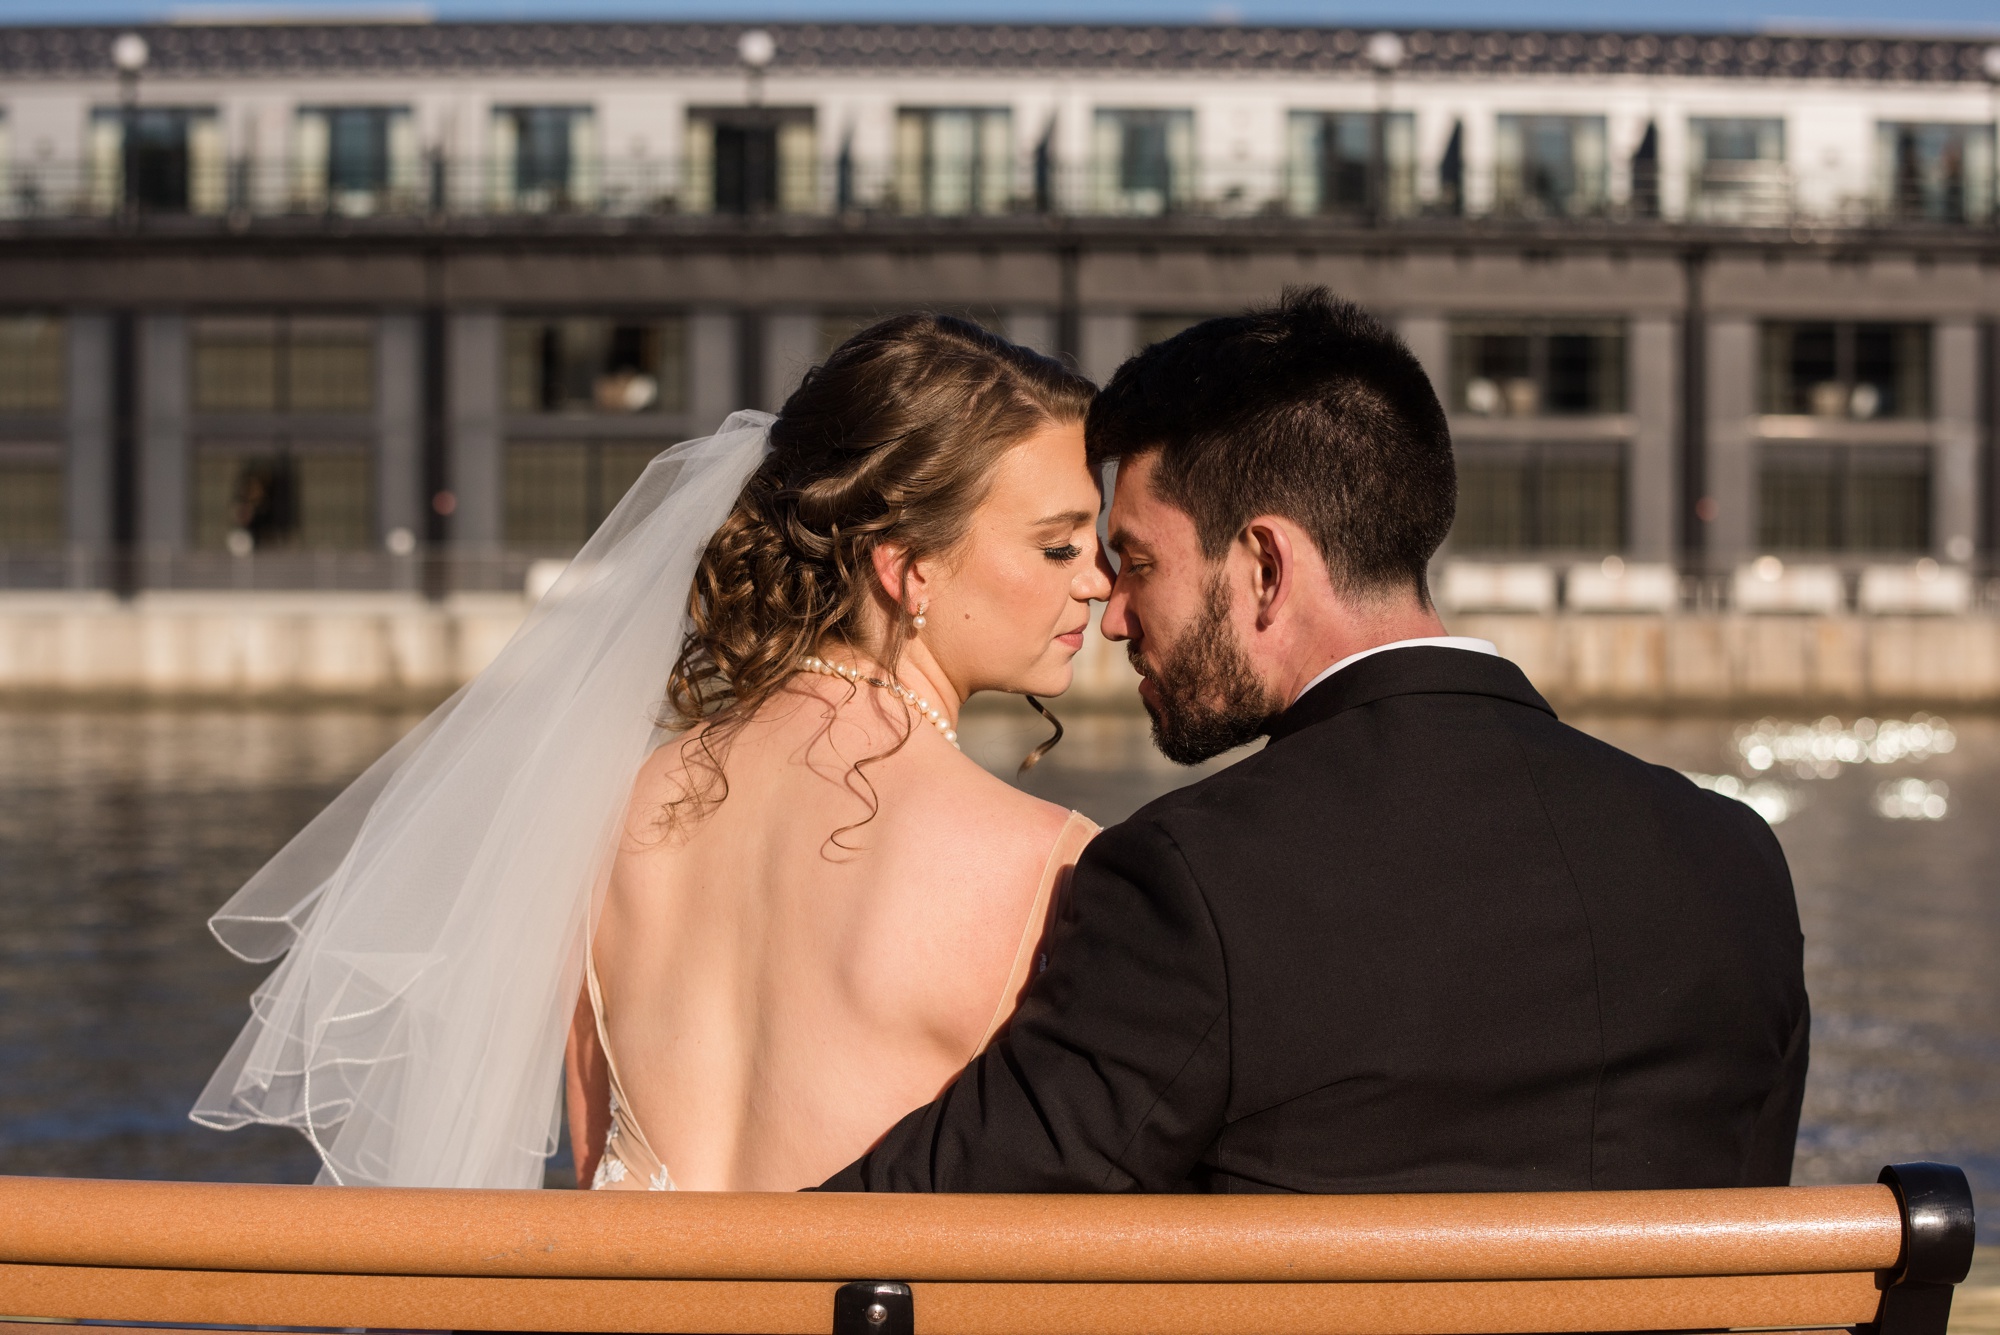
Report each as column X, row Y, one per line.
column 1094, row 584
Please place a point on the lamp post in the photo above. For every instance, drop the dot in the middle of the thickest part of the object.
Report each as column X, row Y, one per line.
column 1990, row 61
column 756, row 48
column 1385, row 55
column 129, row 53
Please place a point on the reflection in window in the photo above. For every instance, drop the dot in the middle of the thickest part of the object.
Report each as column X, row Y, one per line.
column 32, row 364
column 1451, row 173
column 558, row 492
column 1736, row 169
column 544, row 158
column 1844, row 498
column 751, row 160
column 1333, row 162
column 1144, row 161
column 1645, row 164
column 279, row 364
column 1846, row 370
column 836, row 327
column 175, row 158
column 1550, row 166
column 1936, row 173
column 954, row 161
column 31, row 503
column 354, row 160
column 1159, row 326
column 1540, row 497
column 301, row 498
column 584, row 364
column 1527, row 368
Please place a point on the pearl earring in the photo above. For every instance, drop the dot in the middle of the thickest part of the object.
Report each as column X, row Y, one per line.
column 918, row 620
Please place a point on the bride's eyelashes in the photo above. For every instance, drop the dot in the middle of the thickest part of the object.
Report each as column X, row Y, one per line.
column 1064, row 554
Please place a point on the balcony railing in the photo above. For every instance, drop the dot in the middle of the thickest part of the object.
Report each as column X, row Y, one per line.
column 1747, row 194
column 1721, row 194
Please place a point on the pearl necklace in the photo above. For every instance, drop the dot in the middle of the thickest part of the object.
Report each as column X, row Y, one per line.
column 924, row 708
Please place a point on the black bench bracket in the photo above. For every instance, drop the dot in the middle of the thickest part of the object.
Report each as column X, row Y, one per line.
column 874, row 1307
column 1938, row 1236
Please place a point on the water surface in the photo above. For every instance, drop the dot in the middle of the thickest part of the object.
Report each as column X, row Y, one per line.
column 121, row 830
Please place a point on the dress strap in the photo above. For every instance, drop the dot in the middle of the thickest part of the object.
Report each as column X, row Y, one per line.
column 1077, row 831
column 624, row 1121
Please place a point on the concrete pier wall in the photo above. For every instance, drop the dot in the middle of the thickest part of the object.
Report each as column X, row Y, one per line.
column 1733, row 658
column 208, row 644
column 250, row 643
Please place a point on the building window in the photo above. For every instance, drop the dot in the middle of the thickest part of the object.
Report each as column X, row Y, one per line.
column 278, row 364
column 595, row 365
column 954, row 161
column 544, row 158
column 33, row 364
column 1535, row 368
column 1333, row 162
column 354, row 160
column 1844, row 498
column 283, row 496
column 751, row 160
column 1736, row 170
column 1144, row 161
column 175, row 158
column 31, row 498
column 1936, row 173
column 558, row 492
column 1540, row 497
column 1550, row 166
column 1846, row 370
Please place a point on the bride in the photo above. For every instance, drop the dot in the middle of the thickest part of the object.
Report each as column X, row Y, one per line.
column 699, row 847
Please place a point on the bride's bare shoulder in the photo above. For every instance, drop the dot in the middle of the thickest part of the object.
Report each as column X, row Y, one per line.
column 984, row 812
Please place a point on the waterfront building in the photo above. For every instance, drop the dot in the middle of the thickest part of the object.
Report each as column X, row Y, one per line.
column 382, row 305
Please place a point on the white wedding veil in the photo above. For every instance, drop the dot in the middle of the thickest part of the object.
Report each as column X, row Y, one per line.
column 432, row 919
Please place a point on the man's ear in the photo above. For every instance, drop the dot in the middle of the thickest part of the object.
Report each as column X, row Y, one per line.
column 1275, row 556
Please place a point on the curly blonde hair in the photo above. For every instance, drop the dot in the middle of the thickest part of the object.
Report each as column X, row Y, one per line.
column 892, row 439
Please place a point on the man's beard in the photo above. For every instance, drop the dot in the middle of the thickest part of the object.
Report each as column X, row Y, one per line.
column 1209, row 698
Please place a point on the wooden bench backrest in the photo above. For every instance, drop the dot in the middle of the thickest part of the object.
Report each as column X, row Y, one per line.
column 770, row 1264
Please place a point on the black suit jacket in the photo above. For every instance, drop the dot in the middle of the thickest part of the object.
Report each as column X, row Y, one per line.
column 1429, row 939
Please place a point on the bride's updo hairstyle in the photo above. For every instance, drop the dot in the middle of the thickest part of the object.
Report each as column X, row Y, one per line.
column 892, row 439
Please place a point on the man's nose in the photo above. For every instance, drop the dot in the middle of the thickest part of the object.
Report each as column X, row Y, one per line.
column 1118, row 623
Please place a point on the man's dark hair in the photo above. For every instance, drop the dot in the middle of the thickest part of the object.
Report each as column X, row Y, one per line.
column 1311, row 409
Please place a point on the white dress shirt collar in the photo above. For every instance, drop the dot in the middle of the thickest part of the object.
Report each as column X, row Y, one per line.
column 1465, row 642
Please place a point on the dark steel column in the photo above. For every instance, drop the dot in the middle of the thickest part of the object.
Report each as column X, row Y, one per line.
column 1697, row 509
column 436, row 447
column 1069, row 313
column 750, row 359
column 124, row 453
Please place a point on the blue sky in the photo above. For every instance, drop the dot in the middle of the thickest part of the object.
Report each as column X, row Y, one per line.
column 1964, row 16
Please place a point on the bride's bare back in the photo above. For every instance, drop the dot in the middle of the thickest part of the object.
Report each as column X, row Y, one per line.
column 776, row 994
column 806, row 943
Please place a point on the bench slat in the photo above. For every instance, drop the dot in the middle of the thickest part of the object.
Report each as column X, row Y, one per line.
column 674, row 1307
column 1072, row 1239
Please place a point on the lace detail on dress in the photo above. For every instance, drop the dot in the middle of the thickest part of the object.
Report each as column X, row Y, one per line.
column 611, row 1167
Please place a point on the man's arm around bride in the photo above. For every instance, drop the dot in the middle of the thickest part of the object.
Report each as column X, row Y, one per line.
column 1429, row 938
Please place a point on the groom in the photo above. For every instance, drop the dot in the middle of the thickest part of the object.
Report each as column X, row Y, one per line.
column 1429, row 938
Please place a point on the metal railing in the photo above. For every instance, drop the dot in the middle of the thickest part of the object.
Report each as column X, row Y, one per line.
column 1732, row 194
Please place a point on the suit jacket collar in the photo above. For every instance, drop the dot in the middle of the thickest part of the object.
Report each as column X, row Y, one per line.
column 1424, row 670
